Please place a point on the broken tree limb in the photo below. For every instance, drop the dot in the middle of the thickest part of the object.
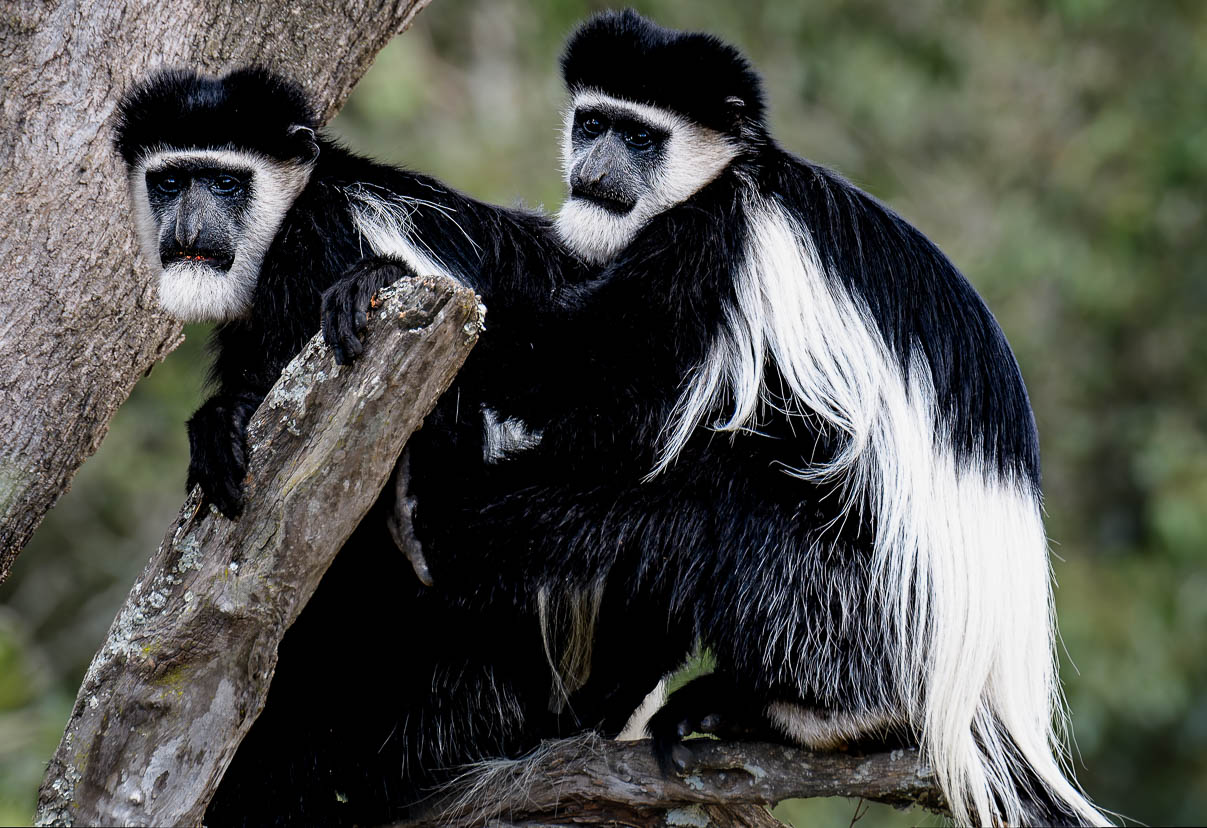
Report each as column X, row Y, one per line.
column 592, row 781
column 186, row 666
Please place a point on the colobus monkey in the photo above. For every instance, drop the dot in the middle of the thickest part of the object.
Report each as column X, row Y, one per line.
column 779, row 412
column 251, row 215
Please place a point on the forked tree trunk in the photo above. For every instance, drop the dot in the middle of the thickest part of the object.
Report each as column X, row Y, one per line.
column 186, row 666
column 80, row 325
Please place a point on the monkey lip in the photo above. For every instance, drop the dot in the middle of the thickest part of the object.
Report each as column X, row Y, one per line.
column 609, row 203
column 220, row 261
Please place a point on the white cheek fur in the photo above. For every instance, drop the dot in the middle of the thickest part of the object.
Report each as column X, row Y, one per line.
column 694, row 156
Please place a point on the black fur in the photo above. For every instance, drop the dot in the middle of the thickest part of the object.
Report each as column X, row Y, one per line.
column 691, row 73
column 248, row 109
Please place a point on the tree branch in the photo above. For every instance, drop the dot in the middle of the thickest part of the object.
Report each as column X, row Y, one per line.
column 592, row 781
column 187, row 663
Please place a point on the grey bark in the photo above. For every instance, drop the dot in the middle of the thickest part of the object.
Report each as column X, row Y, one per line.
column 186, row 666
column 80, row 325
column 591, row 781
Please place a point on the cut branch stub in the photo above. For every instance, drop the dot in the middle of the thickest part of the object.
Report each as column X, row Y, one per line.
column 186, row 666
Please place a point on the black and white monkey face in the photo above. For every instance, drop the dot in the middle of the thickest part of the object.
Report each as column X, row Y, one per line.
column 207, row 217
column 624, row 163
column 201, row 210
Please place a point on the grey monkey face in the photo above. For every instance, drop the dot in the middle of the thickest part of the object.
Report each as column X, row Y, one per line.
column 201, row 212
column 615, row 157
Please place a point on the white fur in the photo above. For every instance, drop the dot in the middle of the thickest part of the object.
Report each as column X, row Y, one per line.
column 506, row 437
column 637, row 727
column 383, row 220
column 694, row 156
column 960, row 553
column 820, row 731
column 567, row 621
column 194, row 292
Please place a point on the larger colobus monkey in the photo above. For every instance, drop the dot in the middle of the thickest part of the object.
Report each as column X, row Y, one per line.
column 780, row 412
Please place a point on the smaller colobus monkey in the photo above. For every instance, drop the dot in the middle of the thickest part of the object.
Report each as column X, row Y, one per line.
column 251, row 215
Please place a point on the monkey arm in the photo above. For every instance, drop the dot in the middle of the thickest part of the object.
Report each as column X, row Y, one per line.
column 218, row 450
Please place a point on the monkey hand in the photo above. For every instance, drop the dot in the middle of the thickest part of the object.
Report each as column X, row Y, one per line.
column 711, row 704
column 218, row 450
column 346, row 304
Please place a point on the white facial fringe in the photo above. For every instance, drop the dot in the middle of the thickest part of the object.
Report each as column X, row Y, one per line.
column 194, row 292
column 960, row 552
column 693, row 157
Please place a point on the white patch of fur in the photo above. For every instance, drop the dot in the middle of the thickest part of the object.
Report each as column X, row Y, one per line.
column 694, row 156
column 506, row 437
column 960, row 553
column 637, row 727
column 194, row 292
column 825, row 731
column 567, row 621
column 384, row 222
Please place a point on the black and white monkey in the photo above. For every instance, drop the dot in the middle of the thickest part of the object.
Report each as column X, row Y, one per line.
column 780, row 412
column 250, row 215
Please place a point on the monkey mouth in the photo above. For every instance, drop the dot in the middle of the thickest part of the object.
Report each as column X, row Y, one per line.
column 614, row 205
column 210, row 258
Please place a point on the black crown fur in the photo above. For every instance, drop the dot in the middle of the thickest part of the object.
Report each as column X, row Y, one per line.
column 694, row 74
column 250, row 108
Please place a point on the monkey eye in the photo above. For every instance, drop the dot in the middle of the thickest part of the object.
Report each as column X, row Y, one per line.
column 592, row 126
column 165, row 184
column 638, row 138
column 226, row 185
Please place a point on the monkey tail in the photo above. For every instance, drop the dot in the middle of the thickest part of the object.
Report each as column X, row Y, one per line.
column 990, row 706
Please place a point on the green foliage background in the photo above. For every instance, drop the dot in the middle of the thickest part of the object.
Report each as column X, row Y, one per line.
column 1056, row 150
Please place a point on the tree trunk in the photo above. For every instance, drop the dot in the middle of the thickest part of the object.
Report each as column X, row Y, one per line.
column 80, row 323
column 186, row 666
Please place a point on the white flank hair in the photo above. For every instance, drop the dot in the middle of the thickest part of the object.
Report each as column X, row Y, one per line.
column 638, row 725
column 506, row 438
column 385, row 223
column 195, row 292
column 961, row 559
column 693, row 156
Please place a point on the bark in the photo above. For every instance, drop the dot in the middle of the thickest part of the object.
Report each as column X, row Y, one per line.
column 590, row 781
column 80, row 325
column 186, row 666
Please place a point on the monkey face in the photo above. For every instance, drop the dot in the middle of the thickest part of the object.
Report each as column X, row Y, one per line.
column 625, row 163
column 207, row 217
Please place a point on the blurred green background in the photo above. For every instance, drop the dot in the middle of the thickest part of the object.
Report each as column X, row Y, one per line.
column 1056, row 150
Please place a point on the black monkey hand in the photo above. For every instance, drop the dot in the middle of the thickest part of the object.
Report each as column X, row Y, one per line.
column 713, row 704
column 346, row 304
column 218, row 450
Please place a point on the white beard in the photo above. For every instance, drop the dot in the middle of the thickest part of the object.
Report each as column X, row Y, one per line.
column 195, row 292
column 595, row 233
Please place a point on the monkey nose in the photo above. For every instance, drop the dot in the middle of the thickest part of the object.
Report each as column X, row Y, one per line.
column 187, row 232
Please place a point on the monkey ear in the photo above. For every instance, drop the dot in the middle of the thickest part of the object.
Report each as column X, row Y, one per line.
column 306, row 141
column 735, row 110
